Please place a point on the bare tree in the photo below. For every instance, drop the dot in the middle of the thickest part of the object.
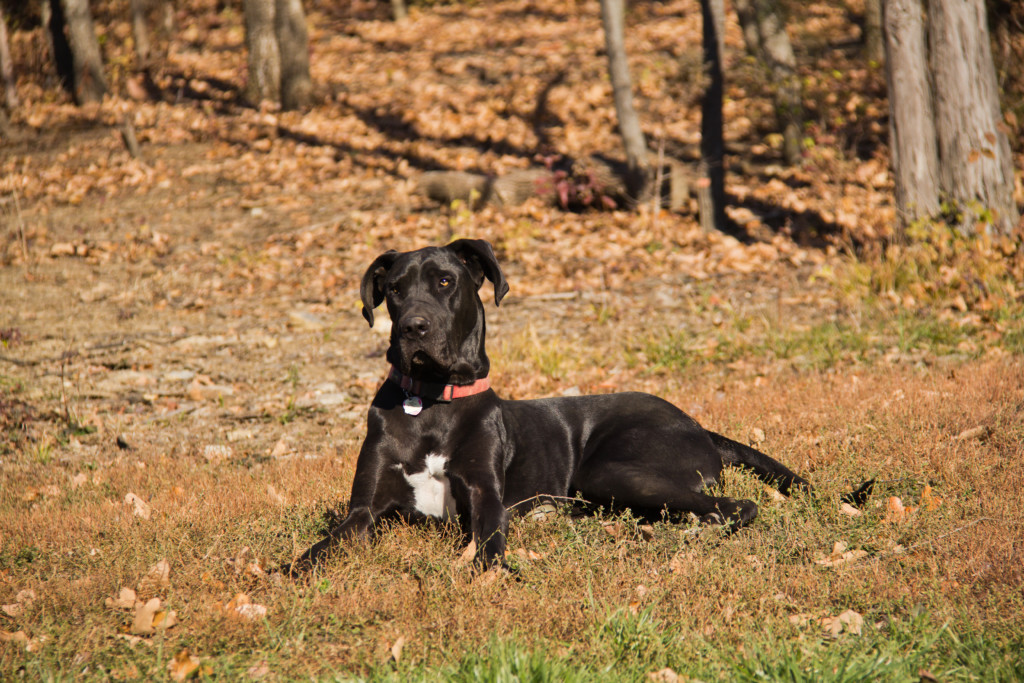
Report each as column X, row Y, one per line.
column 293, row 46
column 948, row 139
column 278, row 44
column 711, row 186
column 264, row 57
column 399, row 11
column 915, row 154
column 6, row 66
column 764, row 34
column 977, row 166
column 74, row 48
column 140, row 31
column 637, row 166
column 874, row 38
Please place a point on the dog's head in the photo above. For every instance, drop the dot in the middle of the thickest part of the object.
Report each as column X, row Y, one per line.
column 437, row 318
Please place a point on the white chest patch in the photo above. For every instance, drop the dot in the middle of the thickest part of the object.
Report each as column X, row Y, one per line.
column 431, row 490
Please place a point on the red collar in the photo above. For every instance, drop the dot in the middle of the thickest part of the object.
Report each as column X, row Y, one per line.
column 443, row 393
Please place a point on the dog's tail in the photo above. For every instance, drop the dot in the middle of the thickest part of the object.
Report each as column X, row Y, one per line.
column 774, row 473
column 767, row 469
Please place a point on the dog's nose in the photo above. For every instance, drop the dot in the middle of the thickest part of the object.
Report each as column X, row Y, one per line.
column 415, row 327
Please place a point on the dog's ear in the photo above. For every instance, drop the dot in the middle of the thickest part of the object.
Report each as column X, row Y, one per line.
column 480, row 259
column 372, row 288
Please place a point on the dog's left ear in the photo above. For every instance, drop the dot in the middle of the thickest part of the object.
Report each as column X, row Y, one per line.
column 480, row 259
column 372, row 288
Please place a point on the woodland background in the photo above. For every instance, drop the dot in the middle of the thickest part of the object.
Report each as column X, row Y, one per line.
column 184, row 372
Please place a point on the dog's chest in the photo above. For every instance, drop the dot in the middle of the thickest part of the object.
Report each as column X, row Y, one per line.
column 431, row 490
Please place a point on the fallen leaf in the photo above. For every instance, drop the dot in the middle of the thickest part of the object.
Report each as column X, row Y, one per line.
column 895, row 512
column 979, row 432
column 467, row 554
column 140, row 508
column 126, row 599
column 259, row 669
column 274, row 496
column 15, row 609
column 156, row 580
column 849, row 510
column 665, row 675
column 183, row 665
column 840, row 556
column 21, row 638
column 849, row 621
column 145, row 616
column 542, row 513
column 929, row 501
column 613, row 529
column 396, row 649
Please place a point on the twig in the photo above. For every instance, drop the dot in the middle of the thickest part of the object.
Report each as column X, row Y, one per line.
column 659, row 178
column 21, row 231
column 539, row 496
column 131, row 142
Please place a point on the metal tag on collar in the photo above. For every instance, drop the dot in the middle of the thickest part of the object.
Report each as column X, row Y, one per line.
column 412, row 405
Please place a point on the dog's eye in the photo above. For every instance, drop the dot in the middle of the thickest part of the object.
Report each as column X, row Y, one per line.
column 394, row 290
column 444, row 282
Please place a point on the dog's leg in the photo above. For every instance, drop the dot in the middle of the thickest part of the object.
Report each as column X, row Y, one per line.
column 643, row 487
column 357, row 524
column 483, row 518
column 373, row 495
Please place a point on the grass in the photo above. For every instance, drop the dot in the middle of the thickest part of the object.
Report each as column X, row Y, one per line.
column 821, row 346
column 588, row 606
column 838, row 399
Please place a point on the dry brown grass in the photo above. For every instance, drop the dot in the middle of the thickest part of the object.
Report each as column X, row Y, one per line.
column 583, row 593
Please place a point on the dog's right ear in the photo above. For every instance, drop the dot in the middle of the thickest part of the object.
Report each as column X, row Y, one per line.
column 372, row 288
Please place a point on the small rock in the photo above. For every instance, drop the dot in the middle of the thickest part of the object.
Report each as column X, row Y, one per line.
column 305, row 321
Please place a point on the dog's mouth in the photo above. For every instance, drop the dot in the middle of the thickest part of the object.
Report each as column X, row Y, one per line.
column 422, row 364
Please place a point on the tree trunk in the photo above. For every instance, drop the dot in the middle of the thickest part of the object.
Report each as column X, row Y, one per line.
column 914, row 153
column 764, row 34
column 293, row 47
column 712, row 143
column 874, row 40
column 264, row 56
column 613, row 18
column 399, row 11
column 139, row 29
column 89, row 83
column 6, row 66
column 976, row 167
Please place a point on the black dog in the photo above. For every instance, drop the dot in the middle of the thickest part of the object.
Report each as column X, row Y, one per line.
column 440, row 443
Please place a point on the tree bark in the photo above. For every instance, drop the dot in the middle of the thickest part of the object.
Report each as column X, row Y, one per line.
column 764, row 34
column 6, row 66
column 139, row 29
column 399, row 11
column 264, row 55
column 976, row 167
column 712, row 143
column 293, row 48
column 874, row 37
column 89, row 83
column 613, row 18
column 915, row 154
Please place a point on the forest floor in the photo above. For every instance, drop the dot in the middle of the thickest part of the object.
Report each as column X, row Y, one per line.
column 184, row 370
